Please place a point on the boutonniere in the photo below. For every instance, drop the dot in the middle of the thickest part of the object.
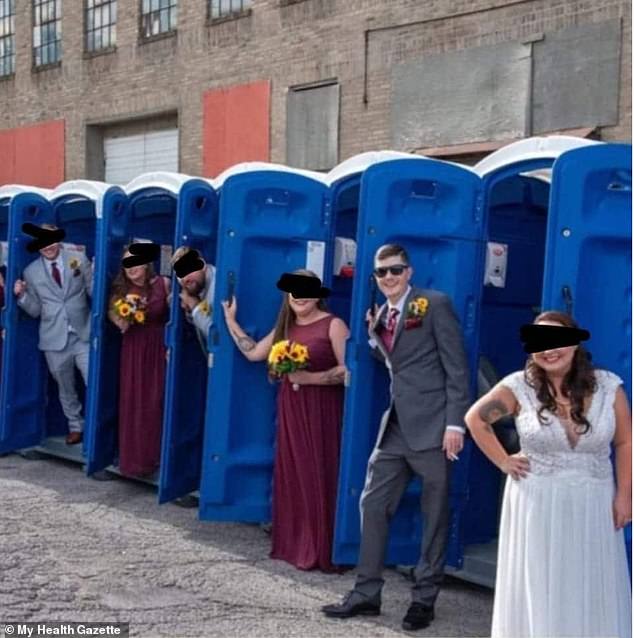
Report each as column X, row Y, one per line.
column 416, row 310
column 204, row 307
column 74, row 264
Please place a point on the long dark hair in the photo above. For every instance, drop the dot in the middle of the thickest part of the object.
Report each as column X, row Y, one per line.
column 286, row 316
column 578, row 384
column 121, row 285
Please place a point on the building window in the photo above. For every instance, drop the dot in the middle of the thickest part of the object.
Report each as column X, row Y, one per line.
column 158, row 17
column 225, row 8
column 101, row 24
column 47, row 32
column 7, row 37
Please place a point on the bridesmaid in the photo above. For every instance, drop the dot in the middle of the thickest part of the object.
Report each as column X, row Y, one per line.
column 142, row 369
column 309, row 415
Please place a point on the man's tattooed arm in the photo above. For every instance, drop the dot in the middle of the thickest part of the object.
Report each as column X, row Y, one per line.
column 492, row 411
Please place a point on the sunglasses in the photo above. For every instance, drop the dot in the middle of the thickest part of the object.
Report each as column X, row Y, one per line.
column 393, row 270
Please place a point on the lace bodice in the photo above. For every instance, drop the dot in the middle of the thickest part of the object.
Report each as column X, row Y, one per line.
column 548, row 447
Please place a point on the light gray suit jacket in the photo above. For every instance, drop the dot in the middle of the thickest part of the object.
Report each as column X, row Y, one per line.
column 428, row 370
column 202, row 320
column 59, row 308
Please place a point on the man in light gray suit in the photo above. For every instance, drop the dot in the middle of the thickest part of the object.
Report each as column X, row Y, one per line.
column 418, row 337
column 197, row 281
column 55, row 288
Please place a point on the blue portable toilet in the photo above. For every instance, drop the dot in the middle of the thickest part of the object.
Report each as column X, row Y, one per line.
column 14, row 197
column 186, row 374
column 344, row 182
column 433, row 209
column 588, row 267
column 148, row 212
column 272, row 220
column 32, row 415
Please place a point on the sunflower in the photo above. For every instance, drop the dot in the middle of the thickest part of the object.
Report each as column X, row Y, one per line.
column 124, row 309
column 139, row 316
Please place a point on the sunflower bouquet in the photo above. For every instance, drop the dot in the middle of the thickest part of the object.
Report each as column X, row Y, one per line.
column 286, row 357
column 131, row 308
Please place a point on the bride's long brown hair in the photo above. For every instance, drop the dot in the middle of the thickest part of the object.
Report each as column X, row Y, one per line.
column 578, row 384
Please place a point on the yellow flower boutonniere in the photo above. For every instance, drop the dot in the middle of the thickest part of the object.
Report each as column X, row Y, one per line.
column 74, row 265
column 204, row 307
column 416, row 310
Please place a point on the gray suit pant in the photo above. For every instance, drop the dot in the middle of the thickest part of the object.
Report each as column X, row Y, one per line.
column 61, row 364
column 390, row 469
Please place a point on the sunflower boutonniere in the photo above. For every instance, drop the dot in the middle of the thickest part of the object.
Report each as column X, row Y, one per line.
column 74, row 264
column 416, row 310
column 204, row 307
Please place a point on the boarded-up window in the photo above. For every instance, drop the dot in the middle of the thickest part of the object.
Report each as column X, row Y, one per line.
column 576, row 77
column 312, row 127
column 461, row 96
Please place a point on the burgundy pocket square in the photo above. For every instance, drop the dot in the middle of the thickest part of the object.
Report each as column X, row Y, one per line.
column 413, row 323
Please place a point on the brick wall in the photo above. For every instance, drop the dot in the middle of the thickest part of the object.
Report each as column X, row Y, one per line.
column 281, row 43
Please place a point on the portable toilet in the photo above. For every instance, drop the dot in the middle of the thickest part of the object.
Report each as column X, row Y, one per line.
column 272, row 220
column 431, row 208
column 521, row 215
column 520, row 201
column 187, row 354
column 31, row 411
column 148, row 213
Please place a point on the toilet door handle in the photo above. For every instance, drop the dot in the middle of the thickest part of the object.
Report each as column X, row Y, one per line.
column 566, row 293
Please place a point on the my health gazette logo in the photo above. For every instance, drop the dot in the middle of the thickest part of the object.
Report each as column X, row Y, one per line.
column 36, row 629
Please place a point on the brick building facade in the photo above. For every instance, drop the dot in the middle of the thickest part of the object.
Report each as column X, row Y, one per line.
column 448, row 78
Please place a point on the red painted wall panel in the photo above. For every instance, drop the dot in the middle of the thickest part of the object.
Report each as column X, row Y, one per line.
column 33, row 155
column 236, row 126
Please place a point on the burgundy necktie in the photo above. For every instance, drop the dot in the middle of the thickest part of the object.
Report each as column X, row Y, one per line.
column 56, row 274
column 390, row 329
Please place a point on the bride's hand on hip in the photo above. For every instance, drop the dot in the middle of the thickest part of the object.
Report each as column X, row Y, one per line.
column 622, row 511
column 517, row 466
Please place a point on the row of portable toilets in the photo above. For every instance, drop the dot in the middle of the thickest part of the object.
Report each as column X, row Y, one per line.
column 542, row 223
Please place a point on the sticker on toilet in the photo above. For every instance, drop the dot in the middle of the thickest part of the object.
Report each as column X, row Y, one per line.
column 315, row 256
column 495, row 264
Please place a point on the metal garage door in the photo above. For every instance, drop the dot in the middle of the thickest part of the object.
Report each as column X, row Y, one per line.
column 127, row 157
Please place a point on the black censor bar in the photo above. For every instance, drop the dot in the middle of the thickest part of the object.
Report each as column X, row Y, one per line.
column 539, row 337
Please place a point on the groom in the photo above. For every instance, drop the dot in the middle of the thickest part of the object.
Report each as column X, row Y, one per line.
column 55, row 288
column 418, row 337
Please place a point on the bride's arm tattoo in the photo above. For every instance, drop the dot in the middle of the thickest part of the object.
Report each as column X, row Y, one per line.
column 492, row 411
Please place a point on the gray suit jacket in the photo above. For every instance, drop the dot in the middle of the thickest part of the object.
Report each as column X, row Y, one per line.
column 428, row 370
column 59, row 308
column 202, row 320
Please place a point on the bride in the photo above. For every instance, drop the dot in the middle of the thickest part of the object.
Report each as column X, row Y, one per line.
column 562, row 568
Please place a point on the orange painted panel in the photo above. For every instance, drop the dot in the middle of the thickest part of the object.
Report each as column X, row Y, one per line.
column 33, row 155
column 236, row 126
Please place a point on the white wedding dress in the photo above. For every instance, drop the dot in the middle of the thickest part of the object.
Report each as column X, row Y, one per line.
column 562, row 567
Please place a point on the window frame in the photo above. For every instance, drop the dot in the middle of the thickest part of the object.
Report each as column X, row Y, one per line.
column 233, row 14
column 9, row 37
column 39, row 4
column 111, row 26
column 173, row 4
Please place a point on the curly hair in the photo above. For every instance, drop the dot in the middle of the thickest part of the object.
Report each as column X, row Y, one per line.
column 578, row 384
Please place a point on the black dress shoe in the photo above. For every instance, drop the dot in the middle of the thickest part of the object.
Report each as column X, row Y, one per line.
column 418, row 616
column 73, row 438
column 354, row 604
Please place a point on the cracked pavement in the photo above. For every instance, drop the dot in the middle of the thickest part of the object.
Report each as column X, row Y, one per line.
column 75, row 549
